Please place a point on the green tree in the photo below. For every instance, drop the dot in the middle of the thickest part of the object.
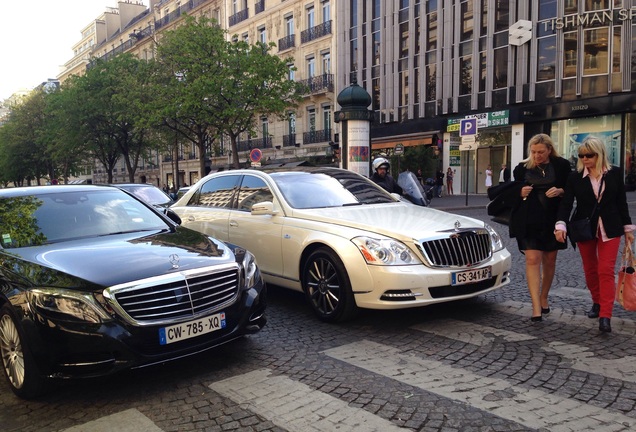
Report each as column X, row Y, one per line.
column 24, row 141
column 220, row 87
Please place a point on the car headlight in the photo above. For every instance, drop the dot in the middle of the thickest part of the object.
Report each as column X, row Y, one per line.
column 496, row 243
column 252, row 273
column 385, row 251
column 67, row 305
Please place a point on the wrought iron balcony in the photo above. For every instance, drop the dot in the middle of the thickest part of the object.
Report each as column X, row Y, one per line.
column 286, row 43
column 319, row 84
column 315, row 32
column 289, row 140
column 252, row 143
column 238, row 17
column 259, row 6
column 319, row 136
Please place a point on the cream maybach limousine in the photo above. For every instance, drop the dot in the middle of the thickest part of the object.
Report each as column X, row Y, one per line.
column 345, row 242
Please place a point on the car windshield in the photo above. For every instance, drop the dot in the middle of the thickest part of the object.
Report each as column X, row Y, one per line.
column 149, row 194
column 315, row 189
column 53, row 217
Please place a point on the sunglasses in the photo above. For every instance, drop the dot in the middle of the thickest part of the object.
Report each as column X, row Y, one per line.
column 587, row 155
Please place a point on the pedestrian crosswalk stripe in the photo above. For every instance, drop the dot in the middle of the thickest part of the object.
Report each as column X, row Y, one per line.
column 469, row 332
column 130, row 420
column 295, row 406
column 575, row 356
column 619, row 325
column 529, row 407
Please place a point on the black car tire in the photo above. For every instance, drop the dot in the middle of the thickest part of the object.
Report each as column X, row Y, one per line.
column 327, row 286
column 18, row 364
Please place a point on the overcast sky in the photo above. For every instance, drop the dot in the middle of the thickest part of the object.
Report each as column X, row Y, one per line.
column 37, row 38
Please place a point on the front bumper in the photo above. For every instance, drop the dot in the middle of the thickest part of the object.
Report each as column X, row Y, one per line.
column 399, row 287
column 68, row 350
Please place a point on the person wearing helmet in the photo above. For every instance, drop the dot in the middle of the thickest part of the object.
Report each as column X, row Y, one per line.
column 382, row 177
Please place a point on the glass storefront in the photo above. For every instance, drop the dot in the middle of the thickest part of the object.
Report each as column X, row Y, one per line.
column 569, row 134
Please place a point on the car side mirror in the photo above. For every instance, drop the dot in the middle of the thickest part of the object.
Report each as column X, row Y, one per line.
column 263, row 208
column 172, row 216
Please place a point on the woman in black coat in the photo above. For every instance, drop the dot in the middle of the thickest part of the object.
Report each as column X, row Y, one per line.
column 543, row 175
column 597, row 181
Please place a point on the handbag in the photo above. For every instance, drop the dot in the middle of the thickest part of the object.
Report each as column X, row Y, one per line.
column 581, row 229
column 626, row 286
column 503, row 199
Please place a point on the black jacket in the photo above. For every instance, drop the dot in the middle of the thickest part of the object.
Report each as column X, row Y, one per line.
column 531, row 214
column 612, row 208
column 387, row 183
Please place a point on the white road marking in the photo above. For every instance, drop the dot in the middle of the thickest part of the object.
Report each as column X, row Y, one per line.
column 531, row 408
column 125, row 421
column 619, row 325
column 295, row 406
column 575, row 356
column 468, row 332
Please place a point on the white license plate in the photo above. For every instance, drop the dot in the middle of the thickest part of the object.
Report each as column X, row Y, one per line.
column 190, row 329
column 471, row 276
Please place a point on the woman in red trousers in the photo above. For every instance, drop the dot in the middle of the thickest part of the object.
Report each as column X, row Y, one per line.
column 595, row 180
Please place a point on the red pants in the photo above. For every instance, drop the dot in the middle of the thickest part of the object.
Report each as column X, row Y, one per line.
column 599, row 259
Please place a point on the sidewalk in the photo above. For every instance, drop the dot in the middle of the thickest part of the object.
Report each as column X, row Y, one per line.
column 455, row 202
column 458, row 202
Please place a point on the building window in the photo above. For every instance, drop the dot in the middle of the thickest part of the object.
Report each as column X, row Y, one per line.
column 546, row 58
column 311, row 67
column 311, row 19
column 291, row 74
column 501, row 68
column 326, row 63
column 262, row 35
column 326, row 11
column 326, row 118
column 570, row 49
column 466, row 73
column 311, row 119
column 289, row 25
column 596, row 53
column 291, row 123
column 265, row 127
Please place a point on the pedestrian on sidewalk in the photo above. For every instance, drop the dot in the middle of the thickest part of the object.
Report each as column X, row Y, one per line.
column 488, row 177
column 599, row 191
column 544, row 174
column 449, row 181
column 439, row 183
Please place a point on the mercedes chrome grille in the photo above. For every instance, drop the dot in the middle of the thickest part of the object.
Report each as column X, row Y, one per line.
column 458, row 249
column 176, row 296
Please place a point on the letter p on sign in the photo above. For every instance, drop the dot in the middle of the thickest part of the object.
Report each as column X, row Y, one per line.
column 468, row 127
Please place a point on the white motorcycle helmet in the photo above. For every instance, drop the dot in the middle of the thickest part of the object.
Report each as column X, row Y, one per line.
column 378, row 162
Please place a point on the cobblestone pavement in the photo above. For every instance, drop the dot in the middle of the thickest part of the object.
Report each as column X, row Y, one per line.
column 477, row 365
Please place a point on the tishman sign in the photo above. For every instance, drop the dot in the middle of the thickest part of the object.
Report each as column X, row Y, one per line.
column 590, row 19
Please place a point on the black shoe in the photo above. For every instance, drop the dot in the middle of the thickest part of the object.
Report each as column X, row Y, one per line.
column 545, row 310
column 536, row 319
column 604, row 325
column 593, row 313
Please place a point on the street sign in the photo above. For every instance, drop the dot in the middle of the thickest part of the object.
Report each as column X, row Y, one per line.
column 256, row 155
column 468, row 143
column 399, row 149
column 467, row 127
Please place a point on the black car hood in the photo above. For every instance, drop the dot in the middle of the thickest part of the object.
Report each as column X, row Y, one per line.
column 115, row 259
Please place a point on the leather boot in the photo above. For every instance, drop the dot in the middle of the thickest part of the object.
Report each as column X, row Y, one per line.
column 593, row 313
column 604, row 325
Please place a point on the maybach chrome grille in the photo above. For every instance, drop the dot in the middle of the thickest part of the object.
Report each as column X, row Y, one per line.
column 459, row 249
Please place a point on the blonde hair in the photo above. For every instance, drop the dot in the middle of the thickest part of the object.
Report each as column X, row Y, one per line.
column 592, row 144
column 540, row 139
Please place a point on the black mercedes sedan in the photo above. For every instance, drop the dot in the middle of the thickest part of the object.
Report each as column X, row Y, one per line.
column 93, row 281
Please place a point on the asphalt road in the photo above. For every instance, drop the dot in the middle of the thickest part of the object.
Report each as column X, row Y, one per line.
column 477, row 365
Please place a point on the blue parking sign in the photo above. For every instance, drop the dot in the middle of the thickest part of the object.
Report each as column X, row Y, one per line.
column 468, row 127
